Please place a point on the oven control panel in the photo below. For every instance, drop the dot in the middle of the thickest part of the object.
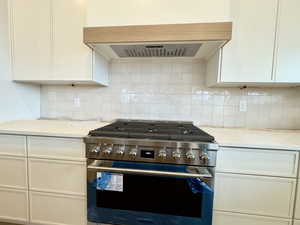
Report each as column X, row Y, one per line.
column 183, row 155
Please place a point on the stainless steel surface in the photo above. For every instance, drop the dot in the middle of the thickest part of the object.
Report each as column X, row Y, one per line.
column 194, row 172
column 169, row 152
column 160, row 50
column 152, row 143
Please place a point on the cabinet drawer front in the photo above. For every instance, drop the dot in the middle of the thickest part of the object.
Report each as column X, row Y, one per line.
column 258, row 162
column 13, row 205
column 297, row 222
column 266, row 196
column 57, row 176
column 57, row 209
column 297, row 209
column 224, row 218
column 13, row 172
column 12, row 145
column 56, row 148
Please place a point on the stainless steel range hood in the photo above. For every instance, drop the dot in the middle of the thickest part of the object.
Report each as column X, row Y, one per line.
column 197, row 40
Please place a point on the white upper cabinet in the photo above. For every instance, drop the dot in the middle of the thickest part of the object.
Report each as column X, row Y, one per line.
column 248, row 57
column 71, row 58
column 264, row 49
column 31, row 38
column 287, row 58
column 47, row 43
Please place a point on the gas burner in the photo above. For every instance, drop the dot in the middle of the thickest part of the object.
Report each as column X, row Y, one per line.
column 186, row 132
column 120, row 128
column 152, row 130
column 156, row 130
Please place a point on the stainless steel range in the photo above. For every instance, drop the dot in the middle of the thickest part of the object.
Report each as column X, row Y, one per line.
column 150, row 172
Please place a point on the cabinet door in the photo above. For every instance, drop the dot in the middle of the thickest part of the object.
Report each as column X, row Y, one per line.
column 288, row 44
column 297, row 222
column 258, row 162
column 266, row 196
column 56, row 148
column 13, row 172
column 248, row 57
column 13, row 205
column 49, row 209
column 31, row 39
column 224, row 218
column 12, row 145
column 72, row 60
column 64, row 177
column 297, row 208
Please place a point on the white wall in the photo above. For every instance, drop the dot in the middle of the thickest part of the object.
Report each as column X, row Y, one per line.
column 17, row 101
column 132, row 12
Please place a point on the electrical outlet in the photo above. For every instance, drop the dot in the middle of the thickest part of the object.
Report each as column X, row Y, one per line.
column 76, row 101
column 243, row 106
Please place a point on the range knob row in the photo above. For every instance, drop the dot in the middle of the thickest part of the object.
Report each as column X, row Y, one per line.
column 177, row 154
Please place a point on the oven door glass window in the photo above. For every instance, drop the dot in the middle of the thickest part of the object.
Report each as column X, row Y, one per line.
column 121, row 198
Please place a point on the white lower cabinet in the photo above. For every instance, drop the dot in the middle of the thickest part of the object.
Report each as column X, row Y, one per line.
column 258, row 162
column 225, row 218
column 56, row 148
column 297, row 208
column 297, row 222
column 13, row 172
column 258, row 195
column 13, row 205
column 54, row 209
column 12, row 145
column 57, row 176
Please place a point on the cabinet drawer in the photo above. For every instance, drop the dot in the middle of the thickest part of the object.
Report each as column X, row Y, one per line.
column 297, row 208
column 258, row 162
column 12, row 145
column 297, row 222
column 56, row 148
column 224, row 218
column 266, row 196
column 57, row 176
column 57, row 209
column 13, row 205
column 13, row 172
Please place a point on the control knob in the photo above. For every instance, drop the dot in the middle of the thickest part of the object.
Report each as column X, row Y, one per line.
column 162, row 154
column 108, row 150
column 96, row 149
column 204, row 157
column 133, row 152
column 190, row 155
column 121, row 150
column 176, row 154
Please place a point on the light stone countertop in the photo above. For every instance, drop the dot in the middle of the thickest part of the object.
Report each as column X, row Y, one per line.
column 256, row 138
column 226, row 137
column 53, row 128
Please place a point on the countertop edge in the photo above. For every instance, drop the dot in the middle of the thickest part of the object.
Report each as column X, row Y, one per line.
column 262, row 147
column 45, row 134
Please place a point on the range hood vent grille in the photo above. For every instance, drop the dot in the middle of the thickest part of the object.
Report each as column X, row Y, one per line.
column 165, row 50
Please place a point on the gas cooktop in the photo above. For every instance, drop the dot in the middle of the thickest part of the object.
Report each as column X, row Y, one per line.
column 154, row 130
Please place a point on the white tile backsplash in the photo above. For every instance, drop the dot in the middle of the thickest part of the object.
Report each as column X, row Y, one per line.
column 172, row 90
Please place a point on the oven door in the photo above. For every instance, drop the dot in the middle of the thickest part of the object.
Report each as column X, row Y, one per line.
column 125, row 193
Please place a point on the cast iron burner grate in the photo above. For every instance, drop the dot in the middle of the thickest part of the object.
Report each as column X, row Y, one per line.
column 157, row 130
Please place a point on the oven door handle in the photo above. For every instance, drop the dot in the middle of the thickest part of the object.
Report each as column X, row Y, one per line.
column 151, row 172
